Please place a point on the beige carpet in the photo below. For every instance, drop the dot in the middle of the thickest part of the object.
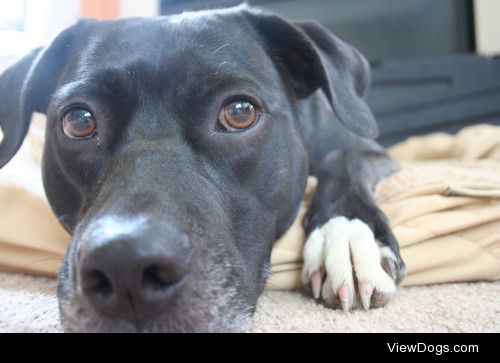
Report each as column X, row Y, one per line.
column 29, row 305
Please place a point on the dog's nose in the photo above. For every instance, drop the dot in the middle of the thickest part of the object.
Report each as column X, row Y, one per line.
column 134, row 277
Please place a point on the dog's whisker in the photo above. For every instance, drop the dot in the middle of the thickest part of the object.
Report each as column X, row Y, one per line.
column 274, row 286
column 31, row 264
column 64, row 217
column 221, row 47
column 271, row 298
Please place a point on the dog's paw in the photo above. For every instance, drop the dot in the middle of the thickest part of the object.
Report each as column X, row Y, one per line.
column 347, row 268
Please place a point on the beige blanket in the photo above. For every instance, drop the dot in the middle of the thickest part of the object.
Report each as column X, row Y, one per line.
column 444, row 207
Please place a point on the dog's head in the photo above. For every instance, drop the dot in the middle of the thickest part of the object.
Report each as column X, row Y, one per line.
column 175, row 158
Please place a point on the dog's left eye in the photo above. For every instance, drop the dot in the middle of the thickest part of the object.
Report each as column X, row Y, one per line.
column 79, row 123
column 238, row 115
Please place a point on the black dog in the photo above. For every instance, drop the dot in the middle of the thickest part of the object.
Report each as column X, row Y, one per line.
column 178, row 150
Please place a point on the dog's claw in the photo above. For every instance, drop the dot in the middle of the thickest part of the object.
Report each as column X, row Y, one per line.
column 347, row 268
column 316, row 282
column 366, row 292
column 345, row 297
column 389, row 266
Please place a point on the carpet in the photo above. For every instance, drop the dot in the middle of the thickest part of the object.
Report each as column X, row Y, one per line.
column 29, row 305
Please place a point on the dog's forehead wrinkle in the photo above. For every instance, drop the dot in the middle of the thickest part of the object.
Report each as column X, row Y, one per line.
column 96, row 84
column 69, row 89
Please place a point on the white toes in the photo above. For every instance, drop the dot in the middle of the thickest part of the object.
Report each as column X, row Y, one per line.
column 314, row 255
column 344, row 254
column 337, row 262
column 366, row 258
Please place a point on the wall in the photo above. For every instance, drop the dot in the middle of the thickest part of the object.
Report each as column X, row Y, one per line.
column 130, row 8
column 100, row 9
column 46, row 18
column 487, row 18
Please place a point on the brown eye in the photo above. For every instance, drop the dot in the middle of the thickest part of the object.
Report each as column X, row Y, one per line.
column 79, row 123
column 238, row 116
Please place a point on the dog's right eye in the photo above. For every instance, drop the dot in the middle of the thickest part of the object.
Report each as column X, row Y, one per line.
column 79, row 123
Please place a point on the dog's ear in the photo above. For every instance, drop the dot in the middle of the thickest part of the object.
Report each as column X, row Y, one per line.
column 311, row 58
column 27, row 87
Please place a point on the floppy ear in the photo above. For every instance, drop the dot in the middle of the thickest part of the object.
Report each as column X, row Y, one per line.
column 311, row 57
column 27, row 87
